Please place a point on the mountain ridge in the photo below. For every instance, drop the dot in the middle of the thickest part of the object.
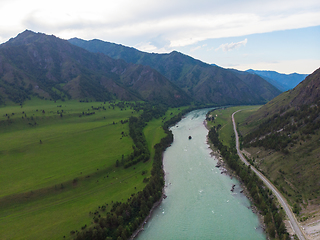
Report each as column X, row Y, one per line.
column 305, row 93
column 203, row 82
column 53, row 68
column 281, row 81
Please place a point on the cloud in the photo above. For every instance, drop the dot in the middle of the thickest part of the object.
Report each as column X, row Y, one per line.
column 163, row 26
column 146, row 47
column 179, row 23
column 160, row 42
column 157, row 26
column 152, row 47
column 198, row 47
column 195, row 48
column 230, row 46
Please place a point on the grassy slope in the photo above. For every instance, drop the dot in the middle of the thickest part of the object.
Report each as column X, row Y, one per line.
column 54, row 214
column 34, row 204
column 223, row 117
column 70, row 145
column 294, row 174
column 256, row 117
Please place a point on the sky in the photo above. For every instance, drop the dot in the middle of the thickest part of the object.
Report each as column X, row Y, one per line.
column 279, row 35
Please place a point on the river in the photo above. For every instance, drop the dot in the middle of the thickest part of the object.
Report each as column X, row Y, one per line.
column 199, row 203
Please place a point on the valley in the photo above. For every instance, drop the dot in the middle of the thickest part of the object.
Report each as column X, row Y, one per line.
column 84, row 124
column 56, row 169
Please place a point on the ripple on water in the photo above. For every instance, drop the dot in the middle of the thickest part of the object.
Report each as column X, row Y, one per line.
column 199, row 203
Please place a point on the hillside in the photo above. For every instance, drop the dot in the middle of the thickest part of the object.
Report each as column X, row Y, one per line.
column 203, row 82
column 52, row 68
column 281, row 81
column 305, row 93
column 282, row 139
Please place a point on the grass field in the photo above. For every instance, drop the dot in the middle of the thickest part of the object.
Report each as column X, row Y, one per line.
column 55, row 169
column 154, row 131
column 69, row 145
column 223, row 117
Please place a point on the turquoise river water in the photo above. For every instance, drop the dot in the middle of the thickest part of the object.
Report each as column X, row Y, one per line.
column 199, row 203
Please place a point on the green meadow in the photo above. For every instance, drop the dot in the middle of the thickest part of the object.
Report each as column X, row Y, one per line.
column 57, row 164
column 154, row 131
column 223, row 117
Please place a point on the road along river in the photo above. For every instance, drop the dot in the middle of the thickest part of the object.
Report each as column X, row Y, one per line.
column 281, row 199
column 199, row 203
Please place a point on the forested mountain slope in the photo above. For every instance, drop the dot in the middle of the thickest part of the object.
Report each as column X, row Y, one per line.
column 204, row 82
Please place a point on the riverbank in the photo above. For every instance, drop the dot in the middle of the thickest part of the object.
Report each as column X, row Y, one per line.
column 225, row 169
column 141, row 227
column 199, row 203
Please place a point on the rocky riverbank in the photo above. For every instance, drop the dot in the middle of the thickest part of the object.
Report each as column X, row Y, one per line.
column 224, row 169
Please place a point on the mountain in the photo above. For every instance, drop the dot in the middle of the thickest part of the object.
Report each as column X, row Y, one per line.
column 203, row 82
column 281, row 81
column 282, row 138
column 52, row 68
column 305, row 93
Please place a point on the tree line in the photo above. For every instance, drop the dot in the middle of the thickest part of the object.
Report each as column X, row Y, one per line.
column 136, row 125
column 125, row 217
column 261, row 195
column 286, row 128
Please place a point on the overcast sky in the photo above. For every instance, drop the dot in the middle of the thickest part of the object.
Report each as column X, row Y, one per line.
column 280, row 35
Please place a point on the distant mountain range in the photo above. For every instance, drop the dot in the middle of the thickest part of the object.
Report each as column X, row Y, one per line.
column 281, row 81
column 305, row 93
column 203, row 82
column 52, row 68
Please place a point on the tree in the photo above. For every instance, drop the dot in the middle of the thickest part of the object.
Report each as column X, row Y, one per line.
column 271, row 230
